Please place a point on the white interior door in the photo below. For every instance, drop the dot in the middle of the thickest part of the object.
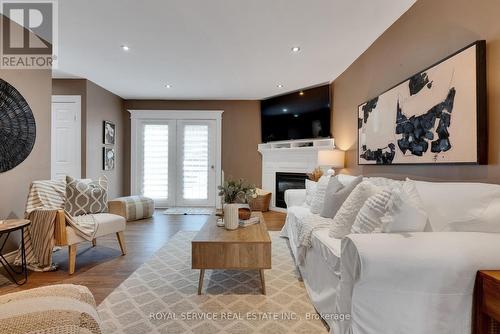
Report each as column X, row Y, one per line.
column 196, row 155
column 66, row 136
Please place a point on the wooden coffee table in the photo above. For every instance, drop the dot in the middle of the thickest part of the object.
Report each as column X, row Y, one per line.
column 247, row 248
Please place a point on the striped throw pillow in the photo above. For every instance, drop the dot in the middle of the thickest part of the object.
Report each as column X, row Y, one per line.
column 369, row 217
column 85, row 197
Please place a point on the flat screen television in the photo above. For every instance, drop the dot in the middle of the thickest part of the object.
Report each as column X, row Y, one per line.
column 303, row 114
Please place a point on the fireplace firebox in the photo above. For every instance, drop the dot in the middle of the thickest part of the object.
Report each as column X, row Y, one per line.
column 285, row 181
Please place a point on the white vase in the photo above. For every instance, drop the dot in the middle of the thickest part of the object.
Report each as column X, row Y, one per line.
column 231, row 219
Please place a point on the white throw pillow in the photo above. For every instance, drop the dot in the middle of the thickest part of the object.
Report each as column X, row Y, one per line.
column 319, row 195
column 344, row 219
column 405, row 212
column 310, row 190
column 369, row 217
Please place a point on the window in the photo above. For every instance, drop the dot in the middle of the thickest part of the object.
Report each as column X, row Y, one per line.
column 155, row 162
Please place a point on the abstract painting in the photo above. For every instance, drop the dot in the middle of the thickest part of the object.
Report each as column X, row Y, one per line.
column 436, row 116
column 108, row 133
column 108, row 157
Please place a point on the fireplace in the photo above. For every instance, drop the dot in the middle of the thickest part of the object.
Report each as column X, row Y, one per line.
column 285, row 181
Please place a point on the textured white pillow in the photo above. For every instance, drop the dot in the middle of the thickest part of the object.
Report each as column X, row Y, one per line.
column 369, row 217
column 405, row 211
column 383, row 181
column 344, row 219
column 319, row 196
column 310, row 190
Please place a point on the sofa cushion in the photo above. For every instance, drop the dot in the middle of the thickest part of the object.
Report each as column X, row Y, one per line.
column 329, row 207
column 310, row 191
column 336, row 200
column 460, row 206
column 107, row 223
column 319, row 195
column 369, row 217
column 405, row 211
column 344, row 219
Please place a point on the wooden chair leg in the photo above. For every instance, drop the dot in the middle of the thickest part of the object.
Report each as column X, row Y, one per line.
column 94, row 242
column 121, row 241
column 72, row 258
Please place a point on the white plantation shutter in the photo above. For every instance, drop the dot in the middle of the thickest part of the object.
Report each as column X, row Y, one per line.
column 155, row 162
column 195, row 161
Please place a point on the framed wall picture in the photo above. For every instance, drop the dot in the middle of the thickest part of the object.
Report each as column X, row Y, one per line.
column 108, row 158
column 437, row 116
column 109, row 133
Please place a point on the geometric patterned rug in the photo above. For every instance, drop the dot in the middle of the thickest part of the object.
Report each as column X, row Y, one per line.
column 189, row 211
column 161, row 297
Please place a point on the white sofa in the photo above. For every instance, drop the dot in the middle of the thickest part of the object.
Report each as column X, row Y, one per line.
column 402, row 283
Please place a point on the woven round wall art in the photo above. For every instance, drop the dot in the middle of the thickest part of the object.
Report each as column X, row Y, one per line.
column 17, row 127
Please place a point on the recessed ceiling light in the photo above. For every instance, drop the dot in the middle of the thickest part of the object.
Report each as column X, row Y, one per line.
column 285, row 109
column 125, row 48
column 296, row 49
column 279, row 85
column 296, row 115
column 168, row 85
column 301, row 93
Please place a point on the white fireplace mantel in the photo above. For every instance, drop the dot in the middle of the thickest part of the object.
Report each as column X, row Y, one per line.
column 293, row 156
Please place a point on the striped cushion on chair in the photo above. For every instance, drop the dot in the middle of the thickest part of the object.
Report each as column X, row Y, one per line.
column 132, row 207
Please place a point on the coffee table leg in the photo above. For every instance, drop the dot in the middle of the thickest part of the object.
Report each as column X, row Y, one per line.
column 200, row 282
column 263, row 281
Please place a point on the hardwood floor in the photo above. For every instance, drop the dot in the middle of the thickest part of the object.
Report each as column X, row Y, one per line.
column 103, row 268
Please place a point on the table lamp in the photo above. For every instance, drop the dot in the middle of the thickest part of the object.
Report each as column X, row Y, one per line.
column 331, row 158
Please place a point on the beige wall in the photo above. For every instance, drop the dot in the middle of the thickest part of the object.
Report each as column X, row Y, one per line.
column 428, row 32
column 103, row 105
column 240, row 133
column 98, row 105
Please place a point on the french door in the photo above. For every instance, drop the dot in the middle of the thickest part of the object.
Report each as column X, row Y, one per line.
column 176, row 162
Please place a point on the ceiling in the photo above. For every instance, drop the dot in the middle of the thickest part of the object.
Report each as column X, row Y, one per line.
column 217, row 49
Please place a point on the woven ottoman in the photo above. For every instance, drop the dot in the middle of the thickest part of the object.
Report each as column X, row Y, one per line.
column 132, row 207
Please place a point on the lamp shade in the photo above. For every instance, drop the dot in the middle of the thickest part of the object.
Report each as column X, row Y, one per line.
column 331, row 158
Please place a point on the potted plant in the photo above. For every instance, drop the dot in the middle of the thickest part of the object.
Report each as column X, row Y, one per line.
column 236, row 194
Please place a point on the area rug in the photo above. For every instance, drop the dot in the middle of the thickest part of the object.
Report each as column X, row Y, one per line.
column 189, row 211
column 161, row 297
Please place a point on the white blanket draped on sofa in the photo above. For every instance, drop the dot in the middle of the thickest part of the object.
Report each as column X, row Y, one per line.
column 412, row 283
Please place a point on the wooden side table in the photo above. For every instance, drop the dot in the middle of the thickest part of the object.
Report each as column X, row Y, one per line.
column 487, row 302
column 6, row 228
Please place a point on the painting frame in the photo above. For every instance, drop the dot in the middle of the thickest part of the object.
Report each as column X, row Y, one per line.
column 108, row 163
column 108, row 132
column 481, row 113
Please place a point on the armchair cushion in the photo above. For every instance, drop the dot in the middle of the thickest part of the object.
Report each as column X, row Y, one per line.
column 107, row 223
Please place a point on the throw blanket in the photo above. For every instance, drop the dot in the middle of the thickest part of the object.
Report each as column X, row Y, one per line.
column 45, row 198
column 307, row 226
column 54, row 309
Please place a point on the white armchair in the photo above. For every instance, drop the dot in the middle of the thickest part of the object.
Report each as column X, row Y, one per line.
column 107, row 223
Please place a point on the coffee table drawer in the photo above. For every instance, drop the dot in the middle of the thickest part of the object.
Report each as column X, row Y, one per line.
column 214, row 255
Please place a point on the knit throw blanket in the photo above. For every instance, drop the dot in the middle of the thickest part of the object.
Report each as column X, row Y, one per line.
column 54, row 309
column 45, row 198
column 307, row 226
